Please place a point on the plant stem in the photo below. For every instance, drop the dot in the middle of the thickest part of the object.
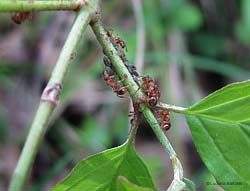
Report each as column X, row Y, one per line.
column 136, row 94
column 176, row 109
column 40, row 5
column 48, row 102
column 134, row 124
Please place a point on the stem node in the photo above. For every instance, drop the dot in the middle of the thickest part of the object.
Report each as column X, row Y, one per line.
column 51, row 93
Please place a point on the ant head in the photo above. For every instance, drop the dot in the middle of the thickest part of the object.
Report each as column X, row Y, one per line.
column 122, row 91
column 152, row 101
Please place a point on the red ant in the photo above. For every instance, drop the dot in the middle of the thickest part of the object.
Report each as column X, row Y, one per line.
column 116, row 40
column 20, row 17
column 164, row 119
column 121, row 42
column 151, row 90
column 113, row 84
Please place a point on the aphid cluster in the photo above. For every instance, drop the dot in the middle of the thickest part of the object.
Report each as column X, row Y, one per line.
column 109, row 73
column 20, row 17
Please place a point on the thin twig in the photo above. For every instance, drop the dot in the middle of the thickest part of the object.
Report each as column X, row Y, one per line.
column 136, row 95
column 140, row 39
column 134, row 124
column 41, row 5
column 176, row 109
column 49, row 99
column 140, row 29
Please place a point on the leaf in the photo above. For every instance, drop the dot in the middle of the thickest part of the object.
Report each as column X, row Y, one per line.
column 124, row 185
column 100, row 171
column 220, row 127
column 189, row 184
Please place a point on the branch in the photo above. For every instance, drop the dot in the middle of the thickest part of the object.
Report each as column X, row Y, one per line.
column 41, row 5
column 176, row 109
column 132, row 87
column 134, row 124
column 49, row 99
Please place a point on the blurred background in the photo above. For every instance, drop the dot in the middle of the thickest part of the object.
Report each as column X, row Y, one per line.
column 191, row 48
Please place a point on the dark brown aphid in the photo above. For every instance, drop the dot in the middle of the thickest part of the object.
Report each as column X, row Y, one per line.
column 20, row 17
column 151, row 90
column 113, row 84
column 121, row 54
column 132, row 69
column 164, row 119
column 107, row 62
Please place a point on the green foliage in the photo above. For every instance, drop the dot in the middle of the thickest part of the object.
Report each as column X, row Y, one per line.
column 100, row 171
column 242, row 28
column 189, row 184
column 187, row 17
column 124, row 185
column 220, row 129
column 215, row 44
column 92, row 136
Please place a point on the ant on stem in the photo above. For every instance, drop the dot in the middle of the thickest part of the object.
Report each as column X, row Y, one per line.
column 116, row 41
column 20, row 17
column 151, row 90
column 113, row 84
column 164, row 119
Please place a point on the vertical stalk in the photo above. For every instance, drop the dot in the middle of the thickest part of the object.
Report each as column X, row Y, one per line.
column 40, row 5
column 48, row 102
column 136, row 95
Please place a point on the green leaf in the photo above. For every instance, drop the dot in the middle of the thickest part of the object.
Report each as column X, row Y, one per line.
column 220, row 127
column 124, row 185
column 100, row 171
column 189, row 184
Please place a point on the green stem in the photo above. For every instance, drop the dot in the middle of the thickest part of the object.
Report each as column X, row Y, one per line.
column 136, row 94
column 46, row 107
column 174, row 108
column 40, row 5
column 135, row 124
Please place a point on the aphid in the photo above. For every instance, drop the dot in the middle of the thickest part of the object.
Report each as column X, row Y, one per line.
column 113, row 84
column 151, row 90
column 107, row 62
column 121, row 42
column 20, row 17
column 164, row 119
column 132, row 69
column 122, row 55
column 109, row 33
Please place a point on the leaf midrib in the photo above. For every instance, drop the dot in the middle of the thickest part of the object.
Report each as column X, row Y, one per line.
column 193, row 110
column 222, row 120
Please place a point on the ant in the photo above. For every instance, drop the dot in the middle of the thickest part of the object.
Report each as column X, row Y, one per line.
column 20, row 17
column 164, row 119
column 151, row 90
column 116, row 40
column 113, row 84
column 121, row 42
